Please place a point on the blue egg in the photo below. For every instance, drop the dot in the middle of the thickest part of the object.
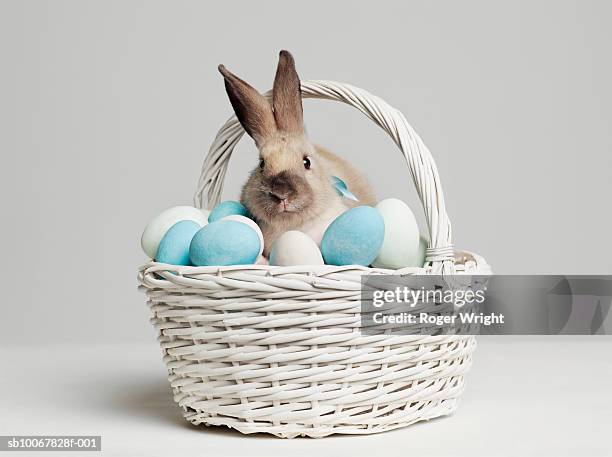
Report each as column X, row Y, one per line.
column 174, row 246
column 228, row 208
column 354, row 238
column 225, row 242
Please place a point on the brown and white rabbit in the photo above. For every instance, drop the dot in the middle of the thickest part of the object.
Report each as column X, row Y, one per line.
column 291, row 188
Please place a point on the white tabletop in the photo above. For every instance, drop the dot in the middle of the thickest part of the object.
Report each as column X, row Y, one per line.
column 524, row 396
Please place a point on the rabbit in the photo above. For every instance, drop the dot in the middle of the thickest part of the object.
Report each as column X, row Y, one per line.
column 291, row 187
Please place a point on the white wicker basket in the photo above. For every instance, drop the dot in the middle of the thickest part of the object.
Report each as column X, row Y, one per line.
column 278, row 349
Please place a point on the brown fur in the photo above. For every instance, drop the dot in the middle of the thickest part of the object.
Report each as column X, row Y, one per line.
column 252, row 110
column 283, row 194
column 287, row 106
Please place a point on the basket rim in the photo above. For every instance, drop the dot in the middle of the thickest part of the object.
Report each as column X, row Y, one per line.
column 461, row 257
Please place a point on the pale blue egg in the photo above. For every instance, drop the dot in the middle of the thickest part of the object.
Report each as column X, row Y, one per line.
column 174, row 246
column 228, row 208
column 225, row 242
column 354, row 238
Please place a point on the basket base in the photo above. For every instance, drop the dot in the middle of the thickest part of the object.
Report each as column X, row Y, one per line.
column 417, row 412
column 264, row 349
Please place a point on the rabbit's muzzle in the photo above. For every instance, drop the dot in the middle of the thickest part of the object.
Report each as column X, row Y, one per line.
column 286, row 192
column 282, row 187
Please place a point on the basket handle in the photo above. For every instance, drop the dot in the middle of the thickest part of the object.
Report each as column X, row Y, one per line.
column 440, row 253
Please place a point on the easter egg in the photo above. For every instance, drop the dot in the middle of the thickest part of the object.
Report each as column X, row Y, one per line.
column 420, row 259
column 261, row 260
column 228, row 208
column 157, row 228
column 251, row 223
column 295, row 248
column 225, row 243
column 400, row 247
column 354, row 237
column 174, row 246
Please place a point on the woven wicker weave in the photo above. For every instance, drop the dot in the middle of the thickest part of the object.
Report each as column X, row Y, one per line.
column 279, row 349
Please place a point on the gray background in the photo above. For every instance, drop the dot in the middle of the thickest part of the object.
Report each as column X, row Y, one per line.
column 107, row 110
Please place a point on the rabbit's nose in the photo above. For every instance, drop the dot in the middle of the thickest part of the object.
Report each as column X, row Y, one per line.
column 281, row 188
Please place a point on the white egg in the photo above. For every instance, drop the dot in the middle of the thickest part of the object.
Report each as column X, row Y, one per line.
column 423, row 244
column 401, row 246
column 251, row 223
column 295, row 248
column 261, row 260
column 157, row 228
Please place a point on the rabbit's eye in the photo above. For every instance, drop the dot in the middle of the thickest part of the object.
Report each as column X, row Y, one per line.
column 307, row 163
column 262, row 163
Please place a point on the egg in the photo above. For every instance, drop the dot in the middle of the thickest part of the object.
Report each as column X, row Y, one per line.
column 228, row 208
column 400, row 247
column 420, row 259
column 295, row 248
column 174, row 246
column 354, row 237
column 225, row 243
column 157, row 228
column 261, row 260
column 251, row 223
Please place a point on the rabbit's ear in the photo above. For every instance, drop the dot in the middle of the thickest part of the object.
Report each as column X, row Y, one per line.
column 287, row 96
column 252, row 109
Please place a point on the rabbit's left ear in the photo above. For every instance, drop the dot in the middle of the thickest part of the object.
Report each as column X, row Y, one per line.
column 252, row 109
column 287, row 96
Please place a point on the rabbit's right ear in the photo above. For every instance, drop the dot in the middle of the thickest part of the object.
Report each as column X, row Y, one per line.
column 287, row 95
column 252, row 109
